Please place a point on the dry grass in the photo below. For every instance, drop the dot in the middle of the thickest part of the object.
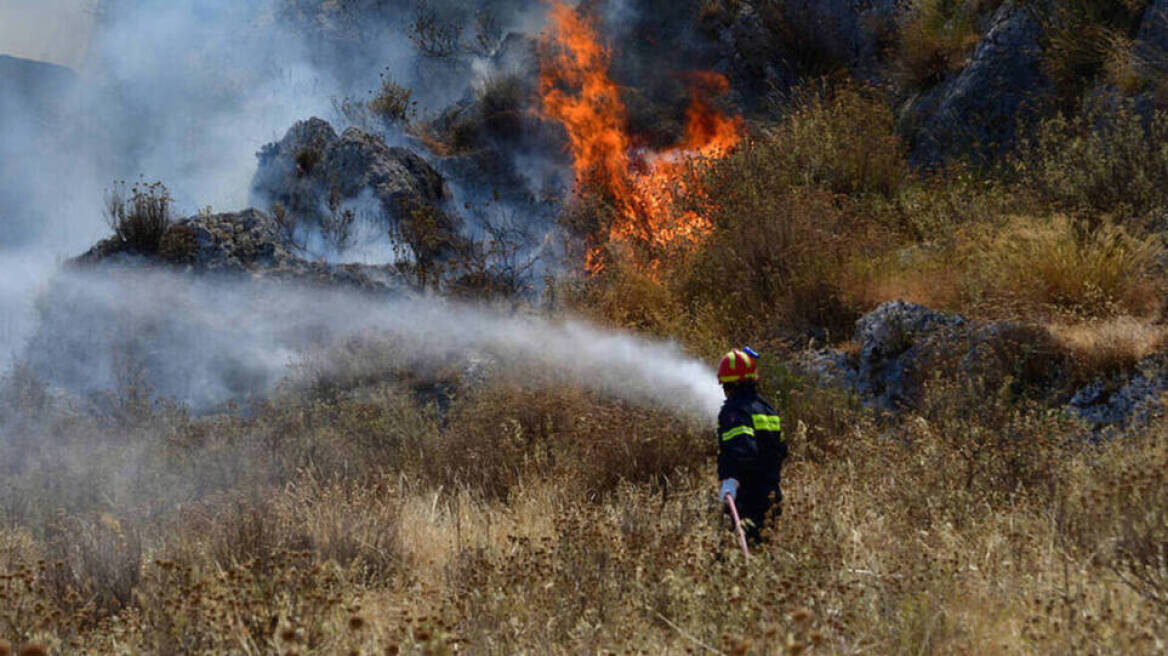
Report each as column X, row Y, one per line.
column 934, row 41
column 837, row 137
column 1048, row 269
column 992, row 531
column 1111, row 345
column 367, row 509
column 1063, row 266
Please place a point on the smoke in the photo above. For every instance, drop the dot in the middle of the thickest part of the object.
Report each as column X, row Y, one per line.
column 186, row 92
column 182, row 91
column 205, row 340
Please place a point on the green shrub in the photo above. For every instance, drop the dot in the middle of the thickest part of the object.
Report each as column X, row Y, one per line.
column 791, row 211
column 841, row 139
column 139, row 221
column 393, row 103
column 934, row 41
column 775, row 259
column 1081, row 37
column 1106, row 158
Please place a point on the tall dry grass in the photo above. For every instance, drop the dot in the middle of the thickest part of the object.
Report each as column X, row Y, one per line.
column 951, row 531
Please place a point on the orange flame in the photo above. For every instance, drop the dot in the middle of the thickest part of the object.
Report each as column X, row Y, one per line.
column 577, row 92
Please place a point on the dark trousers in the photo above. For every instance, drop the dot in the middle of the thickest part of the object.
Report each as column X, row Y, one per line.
column 756, row 508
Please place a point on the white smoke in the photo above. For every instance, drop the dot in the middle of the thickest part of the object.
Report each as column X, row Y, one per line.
column 205, row 340
column 186, row 91
column 181, row 91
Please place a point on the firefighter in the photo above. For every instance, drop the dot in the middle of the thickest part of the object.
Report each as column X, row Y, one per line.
column 751, row 446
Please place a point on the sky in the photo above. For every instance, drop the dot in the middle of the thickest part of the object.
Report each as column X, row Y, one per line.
column 56, row 31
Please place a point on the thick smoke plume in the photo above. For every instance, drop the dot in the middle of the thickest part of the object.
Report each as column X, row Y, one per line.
column 186, row 91
column 204, row 341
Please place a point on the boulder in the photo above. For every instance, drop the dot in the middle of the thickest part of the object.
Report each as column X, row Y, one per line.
column 312, row 174
column 896, row 338
column 977, row 111
column 1125, row 399
column 1151, row 45
column 902, row 346
column 1153, row 34
column 767, row 46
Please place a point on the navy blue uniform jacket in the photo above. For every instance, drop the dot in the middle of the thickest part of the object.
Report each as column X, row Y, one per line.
column 751, row 449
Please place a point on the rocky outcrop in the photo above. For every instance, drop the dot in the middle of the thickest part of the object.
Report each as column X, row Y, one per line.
column 978, row 110
column 1153, row 34
column 312, row 175
column 1151, row 45
column 903, row 346
column 770, row 45
column 250, row 243
column 1123, row 399
column 33, row 86
column 896, row 340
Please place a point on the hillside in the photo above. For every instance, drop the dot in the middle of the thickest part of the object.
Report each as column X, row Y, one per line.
column 448, row 385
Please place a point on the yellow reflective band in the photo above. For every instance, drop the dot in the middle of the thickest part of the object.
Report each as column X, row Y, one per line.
column 732, row 378
column 746, row 359
column 735, row 432
column 767, row 423
column 733, row 359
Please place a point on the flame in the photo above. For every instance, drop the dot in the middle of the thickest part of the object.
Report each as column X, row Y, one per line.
column 644, row 187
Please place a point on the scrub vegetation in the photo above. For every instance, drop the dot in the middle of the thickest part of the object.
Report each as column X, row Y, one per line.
column 377, row 507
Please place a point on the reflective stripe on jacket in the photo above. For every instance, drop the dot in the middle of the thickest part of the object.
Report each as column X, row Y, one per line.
column 751, row 445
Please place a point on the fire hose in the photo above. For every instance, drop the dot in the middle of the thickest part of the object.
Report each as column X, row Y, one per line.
column 738, row 526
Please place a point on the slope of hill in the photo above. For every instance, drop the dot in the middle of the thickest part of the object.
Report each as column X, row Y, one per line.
column 943, row 224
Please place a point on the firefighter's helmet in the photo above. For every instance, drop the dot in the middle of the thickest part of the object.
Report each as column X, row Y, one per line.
column 738, row 365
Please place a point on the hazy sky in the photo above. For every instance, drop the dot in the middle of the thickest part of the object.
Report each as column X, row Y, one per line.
column 48, row 30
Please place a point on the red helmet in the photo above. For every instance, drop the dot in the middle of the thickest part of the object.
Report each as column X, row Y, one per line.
column 737, row 365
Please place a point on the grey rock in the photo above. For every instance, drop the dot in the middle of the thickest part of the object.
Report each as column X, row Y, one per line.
column 978, row 110
column 770, row 45
column 249, row 243
column 830, row 367
column 894, row 339
column 1154, row 27
column 904, row 345
column 312, row 167
column 1128, row 399
column 397, row 176
column 1151, row 46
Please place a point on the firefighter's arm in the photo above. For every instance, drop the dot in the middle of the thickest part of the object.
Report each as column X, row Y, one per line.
column 736, row 445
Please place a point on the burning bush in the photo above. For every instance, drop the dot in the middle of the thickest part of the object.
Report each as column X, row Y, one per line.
column 640, row 188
